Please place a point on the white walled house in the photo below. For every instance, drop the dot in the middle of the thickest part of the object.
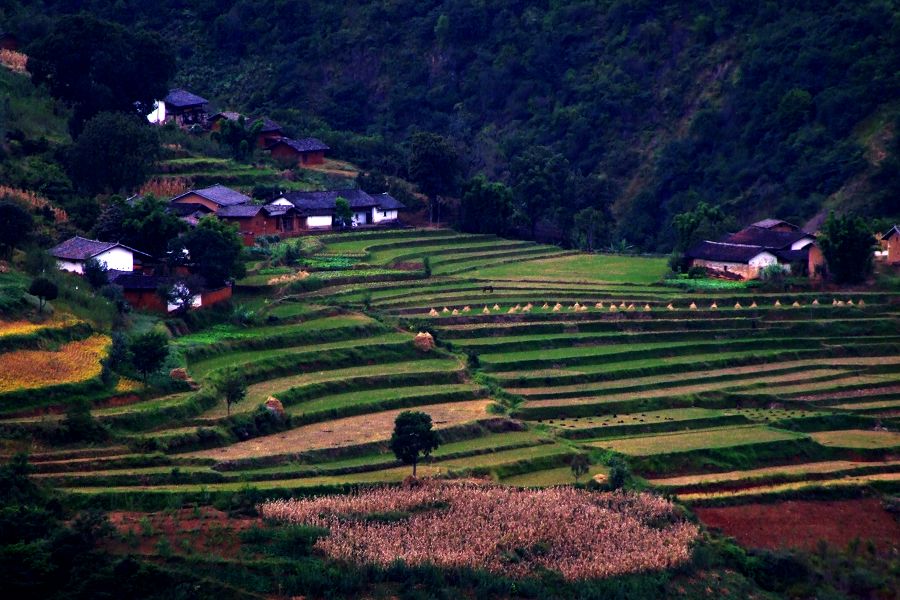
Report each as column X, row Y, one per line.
column 74, row 252
column 317, row 208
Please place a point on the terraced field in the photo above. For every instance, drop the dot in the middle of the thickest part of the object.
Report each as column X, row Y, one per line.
column 541, row 354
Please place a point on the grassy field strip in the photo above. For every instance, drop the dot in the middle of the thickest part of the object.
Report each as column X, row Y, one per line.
column 836, row 396
column 437, row 252
column 829, row 375
column 735, row 374
column 860, row 480
column 669, row 414
column 136, row 471
column 850, row 383
column 583, row 267
column 221, row 333
column 857, row 438
column 524, row 258
column 370, row 396
column 405, row 294
column 412, row 239
column 488, row 255
column 556, row 476
column 259, row 392
column 721, row 437
column 495, row 459
column 626, row 368
column 816, row 467
column 895, row 403
column 344, row 432
column 204, row 367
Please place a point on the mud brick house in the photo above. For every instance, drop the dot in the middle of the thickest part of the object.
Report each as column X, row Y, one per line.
column 180, row 107
column 743, row 255
column 890, row 243
column 143, row 292
column 74, row 252
column 316, row 209
column 270, row 133
column 254, row 220
column 209, row 199
column 306, row 151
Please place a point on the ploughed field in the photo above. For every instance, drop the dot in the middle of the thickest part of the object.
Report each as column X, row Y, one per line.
column 716, row 397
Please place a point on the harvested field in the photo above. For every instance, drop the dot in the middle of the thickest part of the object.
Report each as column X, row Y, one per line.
column 72, row 363
column 817, row 467
column 344, row 432
column 9, row 328
column 774, row 490
column 858, row 438
column 721, row 437
column 586, row 535
column 802, row 524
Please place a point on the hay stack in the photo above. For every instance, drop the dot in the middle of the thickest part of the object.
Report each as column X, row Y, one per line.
column 738, row 305
column 526, row 308
column 433, row 313
column 693, row 306
column 753, row 305
column 423, row 341
column 815, row 301
column 834, row 301
column 583, row 308
column 861, row 303
column 466, row 309
column 557, row 307
column 840, row 302
column 446, row 310
column 622, row 305
column 545, row 306
column 455, row 312
column 670, row 307
column 714, row 306
column 598, row 305
column 647, row 308
column 486, row 310
column 778, row 303
column 849, row 302
column 796, row 304
column 496, row 307
column 274, row 406
column 631, row 307
column 613, row 308
column 512, row 310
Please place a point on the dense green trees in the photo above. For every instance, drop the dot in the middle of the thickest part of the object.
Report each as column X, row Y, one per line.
column 213, row 247
column 434, row 166
column 539, row 177
column 95, row 65
column 343, row 214
column 848, row 246
column 15, row 227
column 485, row 207
column 238, row 136
column 114, row 153
column 232, row 387
column 44, row 289
column 148, row 352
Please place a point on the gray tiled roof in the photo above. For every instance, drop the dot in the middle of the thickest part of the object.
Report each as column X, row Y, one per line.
column 325, row 200
column 304, row 144
column 718, row 251
column 388, row 202
column 181, row 98
column 769, row 223
column 767, row 238
column 79, row 248
column 220, row 194
column 238, row 211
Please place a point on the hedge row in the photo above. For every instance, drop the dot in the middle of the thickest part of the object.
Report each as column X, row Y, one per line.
column 664, row 426
column 142, row 420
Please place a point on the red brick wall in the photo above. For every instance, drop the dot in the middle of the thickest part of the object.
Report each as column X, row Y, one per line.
column 313, row 158
column 145, row 300
column 215, row 296
column 285, row 153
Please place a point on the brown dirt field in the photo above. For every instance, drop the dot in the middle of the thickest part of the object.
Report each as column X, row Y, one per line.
column 207, row 530
column 345, row 432
column 801, row 523
column 850, row 394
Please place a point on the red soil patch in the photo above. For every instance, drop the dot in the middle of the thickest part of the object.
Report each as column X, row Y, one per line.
column 801, row 523
column 59, row 409
column 187, row 531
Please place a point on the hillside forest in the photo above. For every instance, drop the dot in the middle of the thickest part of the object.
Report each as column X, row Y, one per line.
column 632, row 110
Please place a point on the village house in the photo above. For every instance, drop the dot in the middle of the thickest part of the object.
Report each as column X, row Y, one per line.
column 305, row 151
column 143, row 292
column 180, row 107
column 743, row 255
column 269, row 133
column 73, row 253
column 254, row 220
column 316, row 209
column 890, row 246
column 209, row 199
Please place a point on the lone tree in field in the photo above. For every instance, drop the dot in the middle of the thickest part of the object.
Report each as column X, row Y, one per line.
column 413, row 437
column 44, row 289
column 848, row 245
column 148, row 352
column 232, row 387
column 580, row 466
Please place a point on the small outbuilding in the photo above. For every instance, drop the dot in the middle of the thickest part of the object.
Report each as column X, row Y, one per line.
column 302, row 152
column 180, row 107
column 891, row 243
column 212, row 198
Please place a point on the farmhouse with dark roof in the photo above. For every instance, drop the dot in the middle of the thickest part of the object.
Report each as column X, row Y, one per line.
column 211, row 198
column 743, row 255
column 316, row 209
column 181, row 107
column 305, row 151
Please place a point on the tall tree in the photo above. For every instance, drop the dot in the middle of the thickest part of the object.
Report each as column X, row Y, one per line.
column 705, row 222
column 114, row 153
column 148, row 352
column 343, row 214
column 232, row 387
column 539, row 177
column 214, row 248
column 238, row 136
column 590, row 229
column 44, row 289
column 413, row 437
column 15, row 226
column 848, row 246
column 434, row 166
column 149, row 227
column 486, row 207
column 95, row 65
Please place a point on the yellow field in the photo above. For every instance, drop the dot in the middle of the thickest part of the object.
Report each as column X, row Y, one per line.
column 33, row 369
column 26, row 327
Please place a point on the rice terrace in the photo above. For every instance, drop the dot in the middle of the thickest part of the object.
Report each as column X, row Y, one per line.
column 722, row 400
